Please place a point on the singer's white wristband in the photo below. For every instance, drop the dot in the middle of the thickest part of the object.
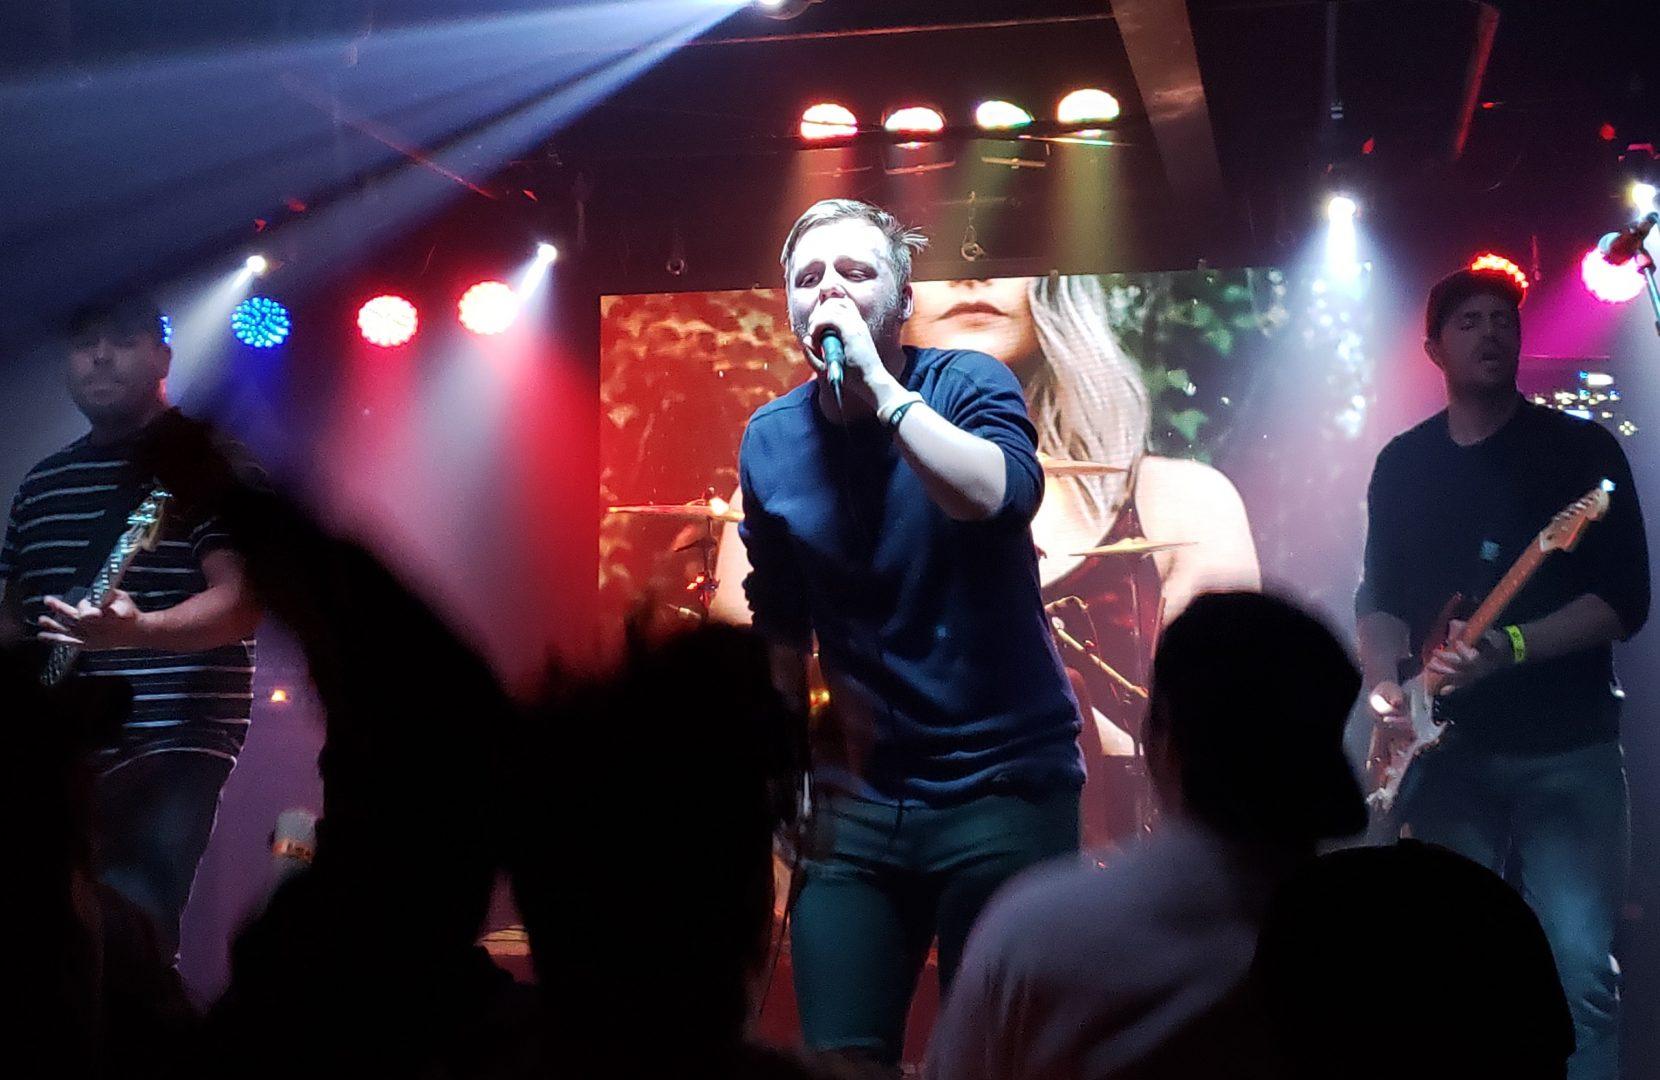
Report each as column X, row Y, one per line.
column 885, row 413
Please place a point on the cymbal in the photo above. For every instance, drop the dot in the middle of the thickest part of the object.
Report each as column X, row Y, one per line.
column 714, row 510
column 1055, row 466
column 1135, row 546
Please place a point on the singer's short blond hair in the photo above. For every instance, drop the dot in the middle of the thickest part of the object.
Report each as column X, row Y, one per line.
column 902, row 241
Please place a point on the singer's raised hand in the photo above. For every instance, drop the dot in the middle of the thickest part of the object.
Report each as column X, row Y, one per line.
column 863, row 367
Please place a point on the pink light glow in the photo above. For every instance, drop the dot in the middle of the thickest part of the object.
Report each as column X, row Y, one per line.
column 1608, row 283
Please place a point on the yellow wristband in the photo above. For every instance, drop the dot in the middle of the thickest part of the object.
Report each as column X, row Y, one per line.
column 1518, row 643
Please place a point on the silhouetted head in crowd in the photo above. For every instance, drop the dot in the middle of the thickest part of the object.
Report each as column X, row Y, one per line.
column 1410, row 960
column 645, row 871
column 93, row 994
column 47, row 773
column 1245, row 725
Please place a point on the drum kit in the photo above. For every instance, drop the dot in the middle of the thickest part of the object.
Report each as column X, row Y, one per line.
column 713, row 512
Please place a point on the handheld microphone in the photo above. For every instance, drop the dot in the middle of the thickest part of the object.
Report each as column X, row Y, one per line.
column 1622, row 245
column 830, row 344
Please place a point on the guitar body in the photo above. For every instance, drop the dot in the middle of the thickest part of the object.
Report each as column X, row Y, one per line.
column 1397, row 746
column 1392, row 757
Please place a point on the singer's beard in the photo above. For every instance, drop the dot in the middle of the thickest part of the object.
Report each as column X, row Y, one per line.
column 884, row 322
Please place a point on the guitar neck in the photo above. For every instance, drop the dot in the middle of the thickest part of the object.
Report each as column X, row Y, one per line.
column 1514, row 580
column 114, row 569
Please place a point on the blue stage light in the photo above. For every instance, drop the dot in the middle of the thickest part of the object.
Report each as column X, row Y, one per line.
column 167, row 330
column 260, row 322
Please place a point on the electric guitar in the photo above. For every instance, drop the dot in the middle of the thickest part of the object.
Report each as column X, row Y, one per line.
column 1391, row 755
column 142, row 532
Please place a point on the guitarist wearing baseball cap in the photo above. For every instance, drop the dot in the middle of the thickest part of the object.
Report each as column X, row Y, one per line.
column 1518, row 688
column 120, row 582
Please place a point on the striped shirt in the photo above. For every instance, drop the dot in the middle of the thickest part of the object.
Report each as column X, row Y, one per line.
column 68, row 513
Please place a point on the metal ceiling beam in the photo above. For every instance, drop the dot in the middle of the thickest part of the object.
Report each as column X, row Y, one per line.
column 1158, row 39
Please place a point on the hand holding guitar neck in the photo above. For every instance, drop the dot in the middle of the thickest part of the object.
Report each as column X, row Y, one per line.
column 1460, row 663
column 68, row 631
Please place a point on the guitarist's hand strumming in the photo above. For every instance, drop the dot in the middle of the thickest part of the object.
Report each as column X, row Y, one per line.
column 115, row 625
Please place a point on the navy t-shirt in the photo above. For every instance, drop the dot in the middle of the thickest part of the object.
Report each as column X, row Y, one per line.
column 931, row 631
column 1448, row 519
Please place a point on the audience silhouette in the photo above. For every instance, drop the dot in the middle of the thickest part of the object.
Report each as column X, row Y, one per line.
column 636, row 815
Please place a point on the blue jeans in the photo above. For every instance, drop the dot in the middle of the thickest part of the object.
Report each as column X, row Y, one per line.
column 882, row 881
column 1560, row 822
column 153, row 819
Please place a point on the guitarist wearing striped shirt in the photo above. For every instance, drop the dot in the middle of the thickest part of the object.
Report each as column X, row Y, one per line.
column 179, row 629
column 1529, row 775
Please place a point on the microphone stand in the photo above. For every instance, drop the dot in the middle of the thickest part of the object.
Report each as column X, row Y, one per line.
column 1645, row 264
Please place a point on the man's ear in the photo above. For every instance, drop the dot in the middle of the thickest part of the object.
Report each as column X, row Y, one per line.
column 1432, row 349
column 907, row 302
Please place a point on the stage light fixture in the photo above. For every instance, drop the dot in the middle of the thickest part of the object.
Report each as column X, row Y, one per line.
column 279, row 696
column 1609, row 283
column 546, row 253
column 1088, row 106
column 914, row 120
column 1341, row 208
column 1493, row 261
column 1643, row 197
column 783, row 9
column 256, row 264
column 828, row 120
column 1001, row 115
column 261, row 323
column 488, row 307
column 387, row 321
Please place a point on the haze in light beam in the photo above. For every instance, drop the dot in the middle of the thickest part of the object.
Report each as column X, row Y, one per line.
column 140, row 168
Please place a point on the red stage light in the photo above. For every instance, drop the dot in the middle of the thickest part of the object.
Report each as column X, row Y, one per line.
column 1493, row 261
column 1609, row 283
column 488, row 307
column 387, row 321
column 827, row 120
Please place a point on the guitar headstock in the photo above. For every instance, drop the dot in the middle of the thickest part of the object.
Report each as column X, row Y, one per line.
column 147, row 519
column 1565, row 529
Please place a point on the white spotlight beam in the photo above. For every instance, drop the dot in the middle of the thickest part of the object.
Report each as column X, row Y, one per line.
column 214, row 140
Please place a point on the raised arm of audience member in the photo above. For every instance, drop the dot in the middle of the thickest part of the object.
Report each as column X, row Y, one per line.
column 377, row 939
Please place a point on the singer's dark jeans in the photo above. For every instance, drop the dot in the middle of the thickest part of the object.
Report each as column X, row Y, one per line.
column 153, row 819
column 1560, row 822
column 885, row 881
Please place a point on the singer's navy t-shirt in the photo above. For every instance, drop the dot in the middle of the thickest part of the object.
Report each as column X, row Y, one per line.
column 944, row 680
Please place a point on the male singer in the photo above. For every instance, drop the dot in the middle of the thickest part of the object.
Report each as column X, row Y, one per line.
column 889, row 517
